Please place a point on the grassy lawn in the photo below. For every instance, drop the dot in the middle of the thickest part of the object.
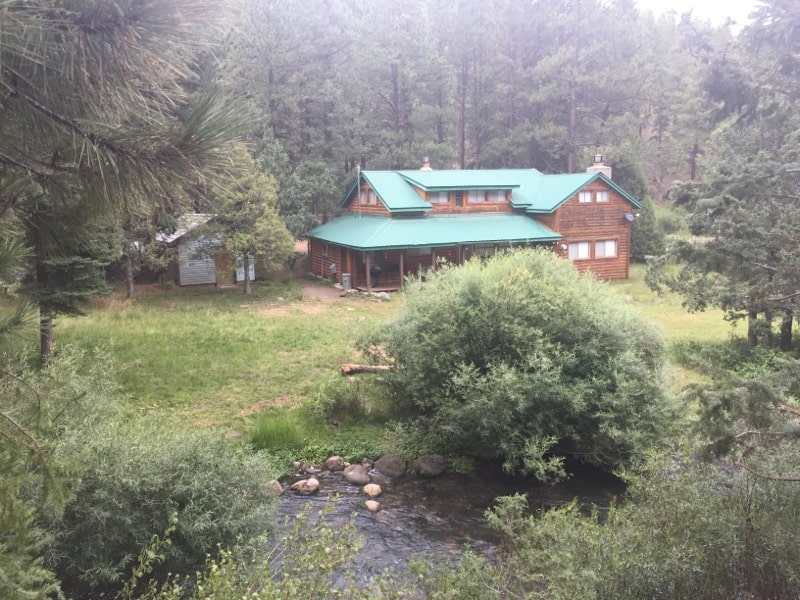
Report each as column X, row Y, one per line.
column 214, row 357
column 217, row 357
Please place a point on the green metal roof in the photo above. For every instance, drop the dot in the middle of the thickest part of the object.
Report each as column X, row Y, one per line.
column 549, row 192
column 368, row 232
column 530, row 189
column 490, row 179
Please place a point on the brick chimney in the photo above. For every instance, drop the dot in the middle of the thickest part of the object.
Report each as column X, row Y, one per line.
column 426, row 164
column 600, row 166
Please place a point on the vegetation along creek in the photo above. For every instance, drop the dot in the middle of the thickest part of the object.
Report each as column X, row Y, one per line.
column 553, row 243
column 438, row 516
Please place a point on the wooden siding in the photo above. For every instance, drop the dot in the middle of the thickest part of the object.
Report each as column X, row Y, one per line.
column 320, row 257
column 592, row 222
column 468, row 207
column 192, row 269
column 378, row 208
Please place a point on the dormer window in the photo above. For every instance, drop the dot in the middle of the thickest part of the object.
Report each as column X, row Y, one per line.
column 496, row 196
column 476, row 196
column 367, row 196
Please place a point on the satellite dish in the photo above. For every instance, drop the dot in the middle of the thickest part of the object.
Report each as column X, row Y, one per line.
column 629, row 217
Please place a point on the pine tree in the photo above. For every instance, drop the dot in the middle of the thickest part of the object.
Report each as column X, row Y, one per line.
column 97, row 111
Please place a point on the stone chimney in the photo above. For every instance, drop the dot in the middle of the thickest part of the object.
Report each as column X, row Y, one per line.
column 426, row 164
column 600, row 166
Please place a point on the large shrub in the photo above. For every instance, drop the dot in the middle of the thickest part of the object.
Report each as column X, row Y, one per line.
column 135, row 474
column 520, row 358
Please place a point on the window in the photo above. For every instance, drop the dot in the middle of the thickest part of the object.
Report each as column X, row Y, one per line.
column 584, row 197
column 437, row 197
column 579, row 250
column 496, row 196
column 459, row 198
column 476, row 196
column 601, row 196
column 372, row 198
column 605, row 249
column 422, row 251
column 362, row 196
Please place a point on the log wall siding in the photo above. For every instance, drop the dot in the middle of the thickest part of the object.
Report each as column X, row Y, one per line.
column 320, row 258
column 355, row 206
column 592, row 222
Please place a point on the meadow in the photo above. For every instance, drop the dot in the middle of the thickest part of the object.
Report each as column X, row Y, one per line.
column 212, row 357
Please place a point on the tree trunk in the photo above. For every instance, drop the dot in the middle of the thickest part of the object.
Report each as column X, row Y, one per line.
column 572, row 128
column 752, row 322
column 128, row 279
column 351, row 369
column 766, row 337
column 462, row 114
column 248, row 286
column 45, row 337
column 786, row 330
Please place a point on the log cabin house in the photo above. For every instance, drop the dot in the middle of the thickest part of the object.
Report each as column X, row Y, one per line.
column 399, row 223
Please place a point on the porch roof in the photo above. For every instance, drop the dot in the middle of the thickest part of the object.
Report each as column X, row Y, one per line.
column 368, row 232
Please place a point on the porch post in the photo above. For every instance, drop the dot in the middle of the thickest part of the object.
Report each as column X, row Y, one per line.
column 402, row 270
column 369, row 269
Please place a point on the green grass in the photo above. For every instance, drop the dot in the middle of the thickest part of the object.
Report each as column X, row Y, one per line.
column 218, row 357
column 215, row 358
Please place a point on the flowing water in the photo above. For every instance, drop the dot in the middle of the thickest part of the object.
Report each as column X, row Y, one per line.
column 440, row 516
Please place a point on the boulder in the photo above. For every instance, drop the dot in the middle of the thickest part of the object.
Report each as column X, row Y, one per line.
column 356, row 474
column 334, row 463
column 391, row 465
column 373, row 490
column 306, row 486
column 275, row 487
column 430, row 465
column 372, row 505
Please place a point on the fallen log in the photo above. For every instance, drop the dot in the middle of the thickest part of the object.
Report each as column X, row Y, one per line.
column 351, row 369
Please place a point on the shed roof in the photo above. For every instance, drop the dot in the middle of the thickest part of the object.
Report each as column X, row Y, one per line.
column 185, row 224
column 369, row 232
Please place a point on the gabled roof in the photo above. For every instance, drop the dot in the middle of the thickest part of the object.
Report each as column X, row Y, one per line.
column 369, row 232
column 392, row 190
column 530, row 189
column 186, row 224
column 547, row 192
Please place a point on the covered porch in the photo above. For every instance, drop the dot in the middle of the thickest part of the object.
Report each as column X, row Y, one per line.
column 378, row 253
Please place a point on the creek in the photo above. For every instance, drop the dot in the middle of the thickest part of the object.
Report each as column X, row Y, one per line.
column 439, row 517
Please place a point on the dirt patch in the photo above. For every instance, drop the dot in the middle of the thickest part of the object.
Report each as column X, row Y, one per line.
column 263, row 405
column 286, row 310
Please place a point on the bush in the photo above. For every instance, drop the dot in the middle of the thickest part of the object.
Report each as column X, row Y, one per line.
column 688, row 531
column 521, row 358
column 134, row 475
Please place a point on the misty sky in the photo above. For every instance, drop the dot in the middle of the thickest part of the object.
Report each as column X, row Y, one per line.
column 714, row 10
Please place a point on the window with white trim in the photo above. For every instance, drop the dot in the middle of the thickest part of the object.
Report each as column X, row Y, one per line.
column 584, row 197
column 372, row 198
column 601, row 196
column 476, row 196
column 605, row 249
column 437, row 197
column 579, row 250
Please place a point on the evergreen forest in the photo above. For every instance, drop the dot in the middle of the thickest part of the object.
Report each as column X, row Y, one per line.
column 118, row 117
